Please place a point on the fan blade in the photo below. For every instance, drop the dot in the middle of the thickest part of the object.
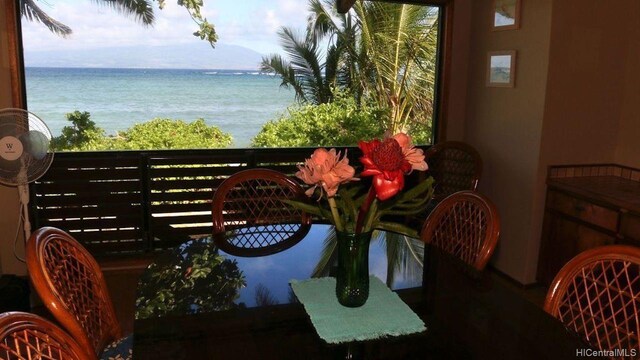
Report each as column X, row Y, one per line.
column 36, row 144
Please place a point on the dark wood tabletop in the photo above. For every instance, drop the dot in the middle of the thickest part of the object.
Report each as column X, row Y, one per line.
column 196, row 302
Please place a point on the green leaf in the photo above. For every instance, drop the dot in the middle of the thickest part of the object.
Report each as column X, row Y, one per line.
column 396, row 228
column 346, row 196
column 415, row 198
column 416, row 191
column 306, row 207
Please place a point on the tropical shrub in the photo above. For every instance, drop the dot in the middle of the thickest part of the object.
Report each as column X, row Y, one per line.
column 171, row 134
column 84, row 135
column 338, row 123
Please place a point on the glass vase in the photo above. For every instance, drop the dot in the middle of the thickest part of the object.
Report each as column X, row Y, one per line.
column 352, row 277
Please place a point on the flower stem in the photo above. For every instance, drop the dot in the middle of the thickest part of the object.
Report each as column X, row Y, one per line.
column 336, row 215
column 364, row 209
column 368, row 222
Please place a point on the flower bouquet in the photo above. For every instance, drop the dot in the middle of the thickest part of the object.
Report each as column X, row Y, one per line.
column 356, row 211
column 353, row 209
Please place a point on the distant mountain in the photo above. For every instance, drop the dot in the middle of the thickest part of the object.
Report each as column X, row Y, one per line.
column 189, row 56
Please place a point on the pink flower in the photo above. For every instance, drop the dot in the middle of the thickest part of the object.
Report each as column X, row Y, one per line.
column 414, row 156
column 327, row 170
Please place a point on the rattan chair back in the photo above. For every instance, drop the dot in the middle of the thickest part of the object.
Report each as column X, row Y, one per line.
column 597, row 295
column 71, row 285
column 455, row 166
column 25, row 336
column 250, row 218
column 465, row 225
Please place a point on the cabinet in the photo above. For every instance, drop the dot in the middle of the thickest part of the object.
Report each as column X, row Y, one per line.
column 584, row 211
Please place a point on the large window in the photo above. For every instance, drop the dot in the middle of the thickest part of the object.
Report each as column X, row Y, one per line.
column 282, row 73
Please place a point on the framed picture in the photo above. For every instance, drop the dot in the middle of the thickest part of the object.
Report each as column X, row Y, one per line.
column 501, row 68
column 506, row 14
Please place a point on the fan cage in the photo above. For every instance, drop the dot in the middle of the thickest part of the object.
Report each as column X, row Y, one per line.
column 34, row 136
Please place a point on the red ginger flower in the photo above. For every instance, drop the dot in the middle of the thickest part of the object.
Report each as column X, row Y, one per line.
column 388, row 161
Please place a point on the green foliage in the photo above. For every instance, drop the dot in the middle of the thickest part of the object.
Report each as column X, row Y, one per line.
column 338, row 123
column 349, row 203
column 158, row 133
column 380, row 52
column 206, row 30
column 83, row 135
column 197, row 279
column 171, row 134
column 311, row 75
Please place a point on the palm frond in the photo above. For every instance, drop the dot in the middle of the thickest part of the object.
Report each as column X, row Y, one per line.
column 141, row 10
column 306, row 62
column 264, row 297
column 277, row 65
column 32, row 12
column 404, row 255
column 321, row 22
column 329, row 255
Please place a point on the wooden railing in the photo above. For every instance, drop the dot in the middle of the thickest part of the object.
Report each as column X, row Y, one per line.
column 140, row 201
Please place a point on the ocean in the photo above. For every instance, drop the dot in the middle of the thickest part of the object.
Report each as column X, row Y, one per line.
column 237, row 101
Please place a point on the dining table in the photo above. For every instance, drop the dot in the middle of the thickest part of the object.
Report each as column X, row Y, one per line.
column 197, row 302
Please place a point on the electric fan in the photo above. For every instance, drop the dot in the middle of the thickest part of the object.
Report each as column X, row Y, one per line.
column 24, row 155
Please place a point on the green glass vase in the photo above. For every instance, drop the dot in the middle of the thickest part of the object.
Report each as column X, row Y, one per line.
column 352, row 277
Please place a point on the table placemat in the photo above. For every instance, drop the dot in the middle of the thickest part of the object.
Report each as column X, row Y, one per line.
column 384, row 313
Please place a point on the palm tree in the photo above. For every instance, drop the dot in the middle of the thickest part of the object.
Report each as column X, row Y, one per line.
column 140, row 9
column 381, row 51
column 400, row 42
column 340, row 30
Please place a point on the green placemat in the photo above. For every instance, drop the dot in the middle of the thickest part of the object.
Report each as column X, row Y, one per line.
column 384, row 314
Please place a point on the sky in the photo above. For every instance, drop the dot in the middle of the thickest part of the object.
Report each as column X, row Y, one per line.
column 249, row 23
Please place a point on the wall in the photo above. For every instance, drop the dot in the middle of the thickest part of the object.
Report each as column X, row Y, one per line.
column 628, row 146
column 587, row 82
column 505, row 124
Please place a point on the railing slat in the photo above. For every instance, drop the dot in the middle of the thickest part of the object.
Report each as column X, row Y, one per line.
column 77, row 211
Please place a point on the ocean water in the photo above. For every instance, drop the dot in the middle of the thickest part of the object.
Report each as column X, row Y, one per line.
column 237, row 101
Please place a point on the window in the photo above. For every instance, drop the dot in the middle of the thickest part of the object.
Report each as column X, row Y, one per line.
column 264, row 85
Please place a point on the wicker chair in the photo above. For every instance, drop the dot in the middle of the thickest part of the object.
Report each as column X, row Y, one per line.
column 70, row 283
column 26, row 336
column 597, row 295
column 249, row 217
column 455, row 166
column 465, row 225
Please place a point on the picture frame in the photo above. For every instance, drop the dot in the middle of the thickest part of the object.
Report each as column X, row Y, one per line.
column 501, row 68
column 506, row 14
